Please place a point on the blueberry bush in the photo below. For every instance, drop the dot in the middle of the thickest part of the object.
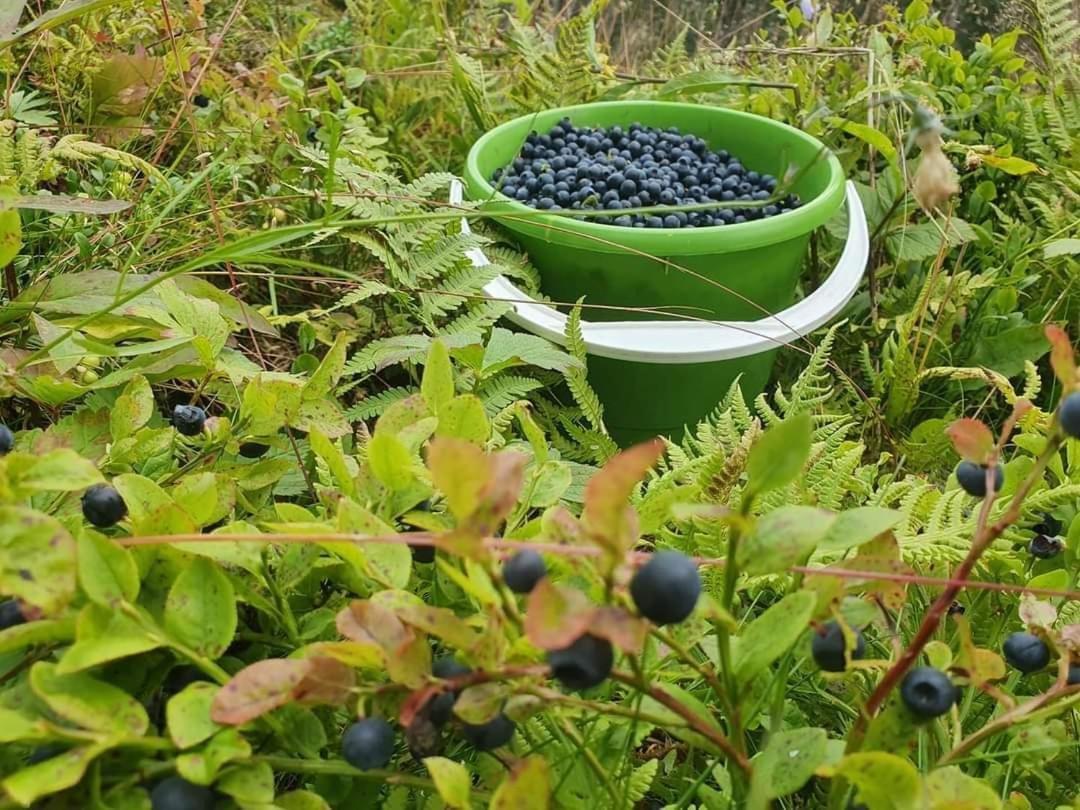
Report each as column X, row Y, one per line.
column 291, row 520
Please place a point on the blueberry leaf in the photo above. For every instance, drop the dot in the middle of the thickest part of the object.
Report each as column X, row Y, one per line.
column 782, row 538
column 201, row 608
column 452, row 781
column 188, row 715
column 526, row 787
column 777, row 458
column 882, row 781
column 787, row 763
column 772, row 634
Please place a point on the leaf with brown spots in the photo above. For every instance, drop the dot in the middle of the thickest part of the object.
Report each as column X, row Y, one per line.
column 617, row 625
column 556, row 615
column 327, row 681
column 258, row 689
column 408, row 655
column 37, row 559
column 880, row 555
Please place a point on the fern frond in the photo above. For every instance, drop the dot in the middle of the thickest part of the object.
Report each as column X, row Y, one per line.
column 576, row 377
column 375, row 404
column 503, row 390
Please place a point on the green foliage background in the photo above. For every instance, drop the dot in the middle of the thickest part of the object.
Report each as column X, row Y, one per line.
column 289, row 261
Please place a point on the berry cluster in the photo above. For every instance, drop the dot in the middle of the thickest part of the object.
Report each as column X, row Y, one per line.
column 592, row 168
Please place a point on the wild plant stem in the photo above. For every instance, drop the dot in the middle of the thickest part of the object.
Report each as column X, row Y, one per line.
column 323, row 767
column 696, row 723
column 985, row 534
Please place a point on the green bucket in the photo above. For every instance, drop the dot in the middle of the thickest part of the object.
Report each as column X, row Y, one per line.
column 719, row 274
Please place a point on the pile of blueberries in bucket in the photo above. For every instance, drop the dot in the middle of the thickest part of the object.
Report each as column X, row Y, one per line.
column 592, row 168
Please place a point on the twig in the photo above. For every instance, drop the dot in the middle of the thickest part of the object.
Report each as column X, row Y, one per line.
column 508, row 546
column 695, row 722
column 985, row 534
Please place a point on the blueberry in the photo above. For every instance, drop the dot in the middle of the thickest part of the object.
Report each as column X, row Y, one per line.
column 199, row 100
column 1026, row 652
column 956, row 609
column 1069, row 415
column 671, row 221
column 181, row 677
column 623, row 222
column 522, row 571
column 584, row 664
column 441, row 708
column 177, row 793
column 927, row 692
column 103, row 506
column 422, row 554
column 488, row 736
column 827, row 647
column 7, row 440
column 1049, row 525
column 188, row 420
column 972, row 478
column 1073, row 678
column 312, row 134
column 253, row 449
column 1044, row 547
column 10, row 615
column 666, row 589
column 368, row 744
column 654, row 222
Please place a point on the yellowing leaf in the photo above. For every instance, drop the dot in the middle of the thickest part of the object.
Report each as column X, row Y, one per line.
column 526, row 787
column 451, row 780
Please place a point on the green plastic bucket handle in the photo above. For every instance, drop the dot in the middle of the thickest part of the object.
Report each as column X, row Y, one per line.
column 670, row 342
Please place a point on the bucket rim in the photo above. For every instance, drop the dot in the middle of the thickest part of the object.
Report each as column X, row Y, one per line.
column 564, row 229
column 678, row 342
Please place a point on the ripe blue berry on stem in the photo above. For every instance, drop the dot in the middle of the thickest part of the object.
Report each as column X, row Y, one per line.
column 188, row 420
column 666, row 589
column 1044, row 547
column 10, row 615
column 7, row 440
column 441, row 707
column 1073, row 678
column 828, row 647
column 972, row 478
column 368, row 744
column 1069, row 415
column 927, row 692
column 1026, row 652
column 103, row 506
column 584, row 664
column 422, row 553
column 176, row 793
column 488, row 736
column 522, row 571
